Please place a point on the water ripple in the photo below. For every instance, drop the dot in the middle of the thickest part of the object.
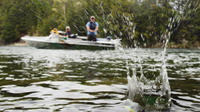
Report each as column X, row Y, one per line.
column 80, row 80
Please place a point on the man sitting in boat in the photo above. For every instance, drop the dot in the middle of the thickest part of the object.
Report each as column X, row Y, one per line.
column 54, row 35
column 55, row 30
column 68, row 33
column 92, row 28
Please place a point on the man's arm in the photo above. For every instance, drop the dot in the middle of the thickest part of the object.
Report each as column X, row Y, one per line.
column 97, row 27
column 88, row 29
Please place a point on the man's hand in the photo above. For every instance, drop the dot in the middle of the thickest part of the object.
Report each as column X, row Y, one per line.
column 92, row 30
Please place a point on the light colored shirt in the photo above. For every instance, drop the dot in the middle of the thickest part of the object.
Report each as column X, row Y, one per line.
column 88, row 25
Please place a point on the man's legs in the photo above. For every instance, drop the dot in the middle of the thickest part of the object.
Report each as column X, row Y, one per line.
column 92, row 37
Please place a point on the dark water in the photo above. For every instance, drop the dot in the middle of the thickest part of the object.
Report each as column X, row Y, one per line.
column 39, row 80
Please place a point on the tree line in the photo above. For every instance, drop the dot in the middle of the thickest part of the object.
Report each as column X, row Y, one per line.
column 139, row 23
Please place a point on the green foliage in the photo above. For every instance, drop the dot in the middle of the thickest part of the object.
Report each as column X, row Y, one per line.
column 19, row 17
column 136, row 23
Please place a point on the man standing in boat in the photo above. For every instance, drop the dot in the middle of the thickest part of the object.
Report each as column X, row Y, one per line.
column 92, row 28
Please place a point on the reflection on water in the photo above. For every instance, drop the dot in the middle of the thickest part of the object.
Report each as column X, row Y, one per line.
column 79, row 80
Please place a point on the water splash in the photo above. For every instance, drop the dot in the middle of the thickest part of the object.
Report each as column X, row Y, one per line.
column 155, row 94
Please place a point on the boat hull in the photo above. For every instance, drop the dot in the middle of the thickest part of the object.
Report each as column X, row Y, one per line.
column 44, row 43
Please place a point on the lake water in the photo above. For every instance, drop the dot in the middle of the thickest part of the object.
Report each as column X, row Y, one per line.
column 44, row 80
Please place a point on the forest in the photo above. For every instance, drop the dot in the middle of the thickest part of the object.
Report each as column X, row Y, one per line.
column 138, row 23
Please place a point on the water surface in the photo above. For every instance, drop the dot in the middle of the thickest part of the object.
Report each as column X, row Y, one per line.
column 90, row 81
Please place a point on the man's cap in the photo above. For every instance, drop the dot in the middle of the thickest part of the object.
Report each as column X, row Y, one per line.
column 67, row 27
column 92, row 17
